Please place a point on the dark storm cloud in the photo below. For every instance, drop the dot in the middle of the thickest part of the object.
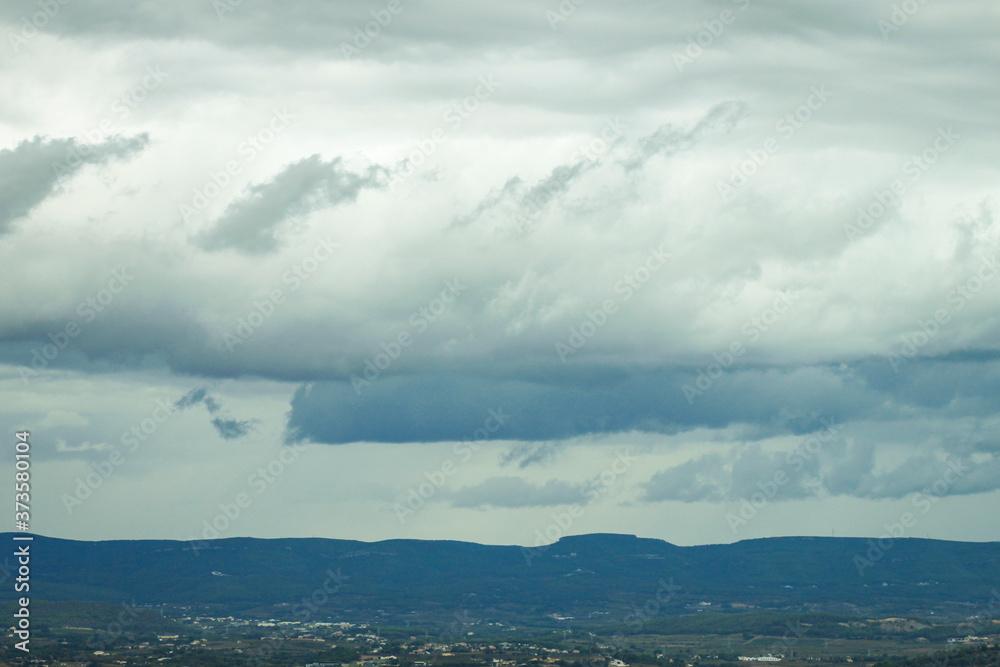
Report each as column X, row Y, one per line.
column 434, row 407
column 250, row 223
column 31, row 171
column 429, row 408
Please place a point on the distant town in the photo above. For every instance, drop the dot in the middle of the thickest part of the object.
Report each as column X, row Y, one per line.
column 142, row 637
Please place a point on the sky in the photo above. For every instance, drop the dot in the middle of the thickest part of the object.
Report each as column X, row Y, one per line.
column 501, row 271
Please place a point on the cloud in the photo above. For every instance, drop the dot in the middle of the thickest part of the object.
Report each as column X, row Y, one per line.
column 515, row 202
column 522, row 204
column 196, row 396
column 935, row 472
column 557, row 182
column 821, row 470
column 716, row 477
column 226, row 427
column 496, row 198
column 668, row 140
column 429, row 408
column 231, row 429
column 251, row 223
column 532, row 453
column 691, row 481
column 515, row 492
column 31, row 171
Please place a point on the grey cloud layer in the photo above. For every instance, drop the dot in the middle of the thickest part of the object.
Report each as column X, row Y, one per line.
column 598, row 31
column 823, row 470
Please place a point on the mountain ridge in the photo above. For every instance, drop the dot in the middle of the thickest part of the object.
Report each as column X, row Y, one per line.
column 402, row 579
